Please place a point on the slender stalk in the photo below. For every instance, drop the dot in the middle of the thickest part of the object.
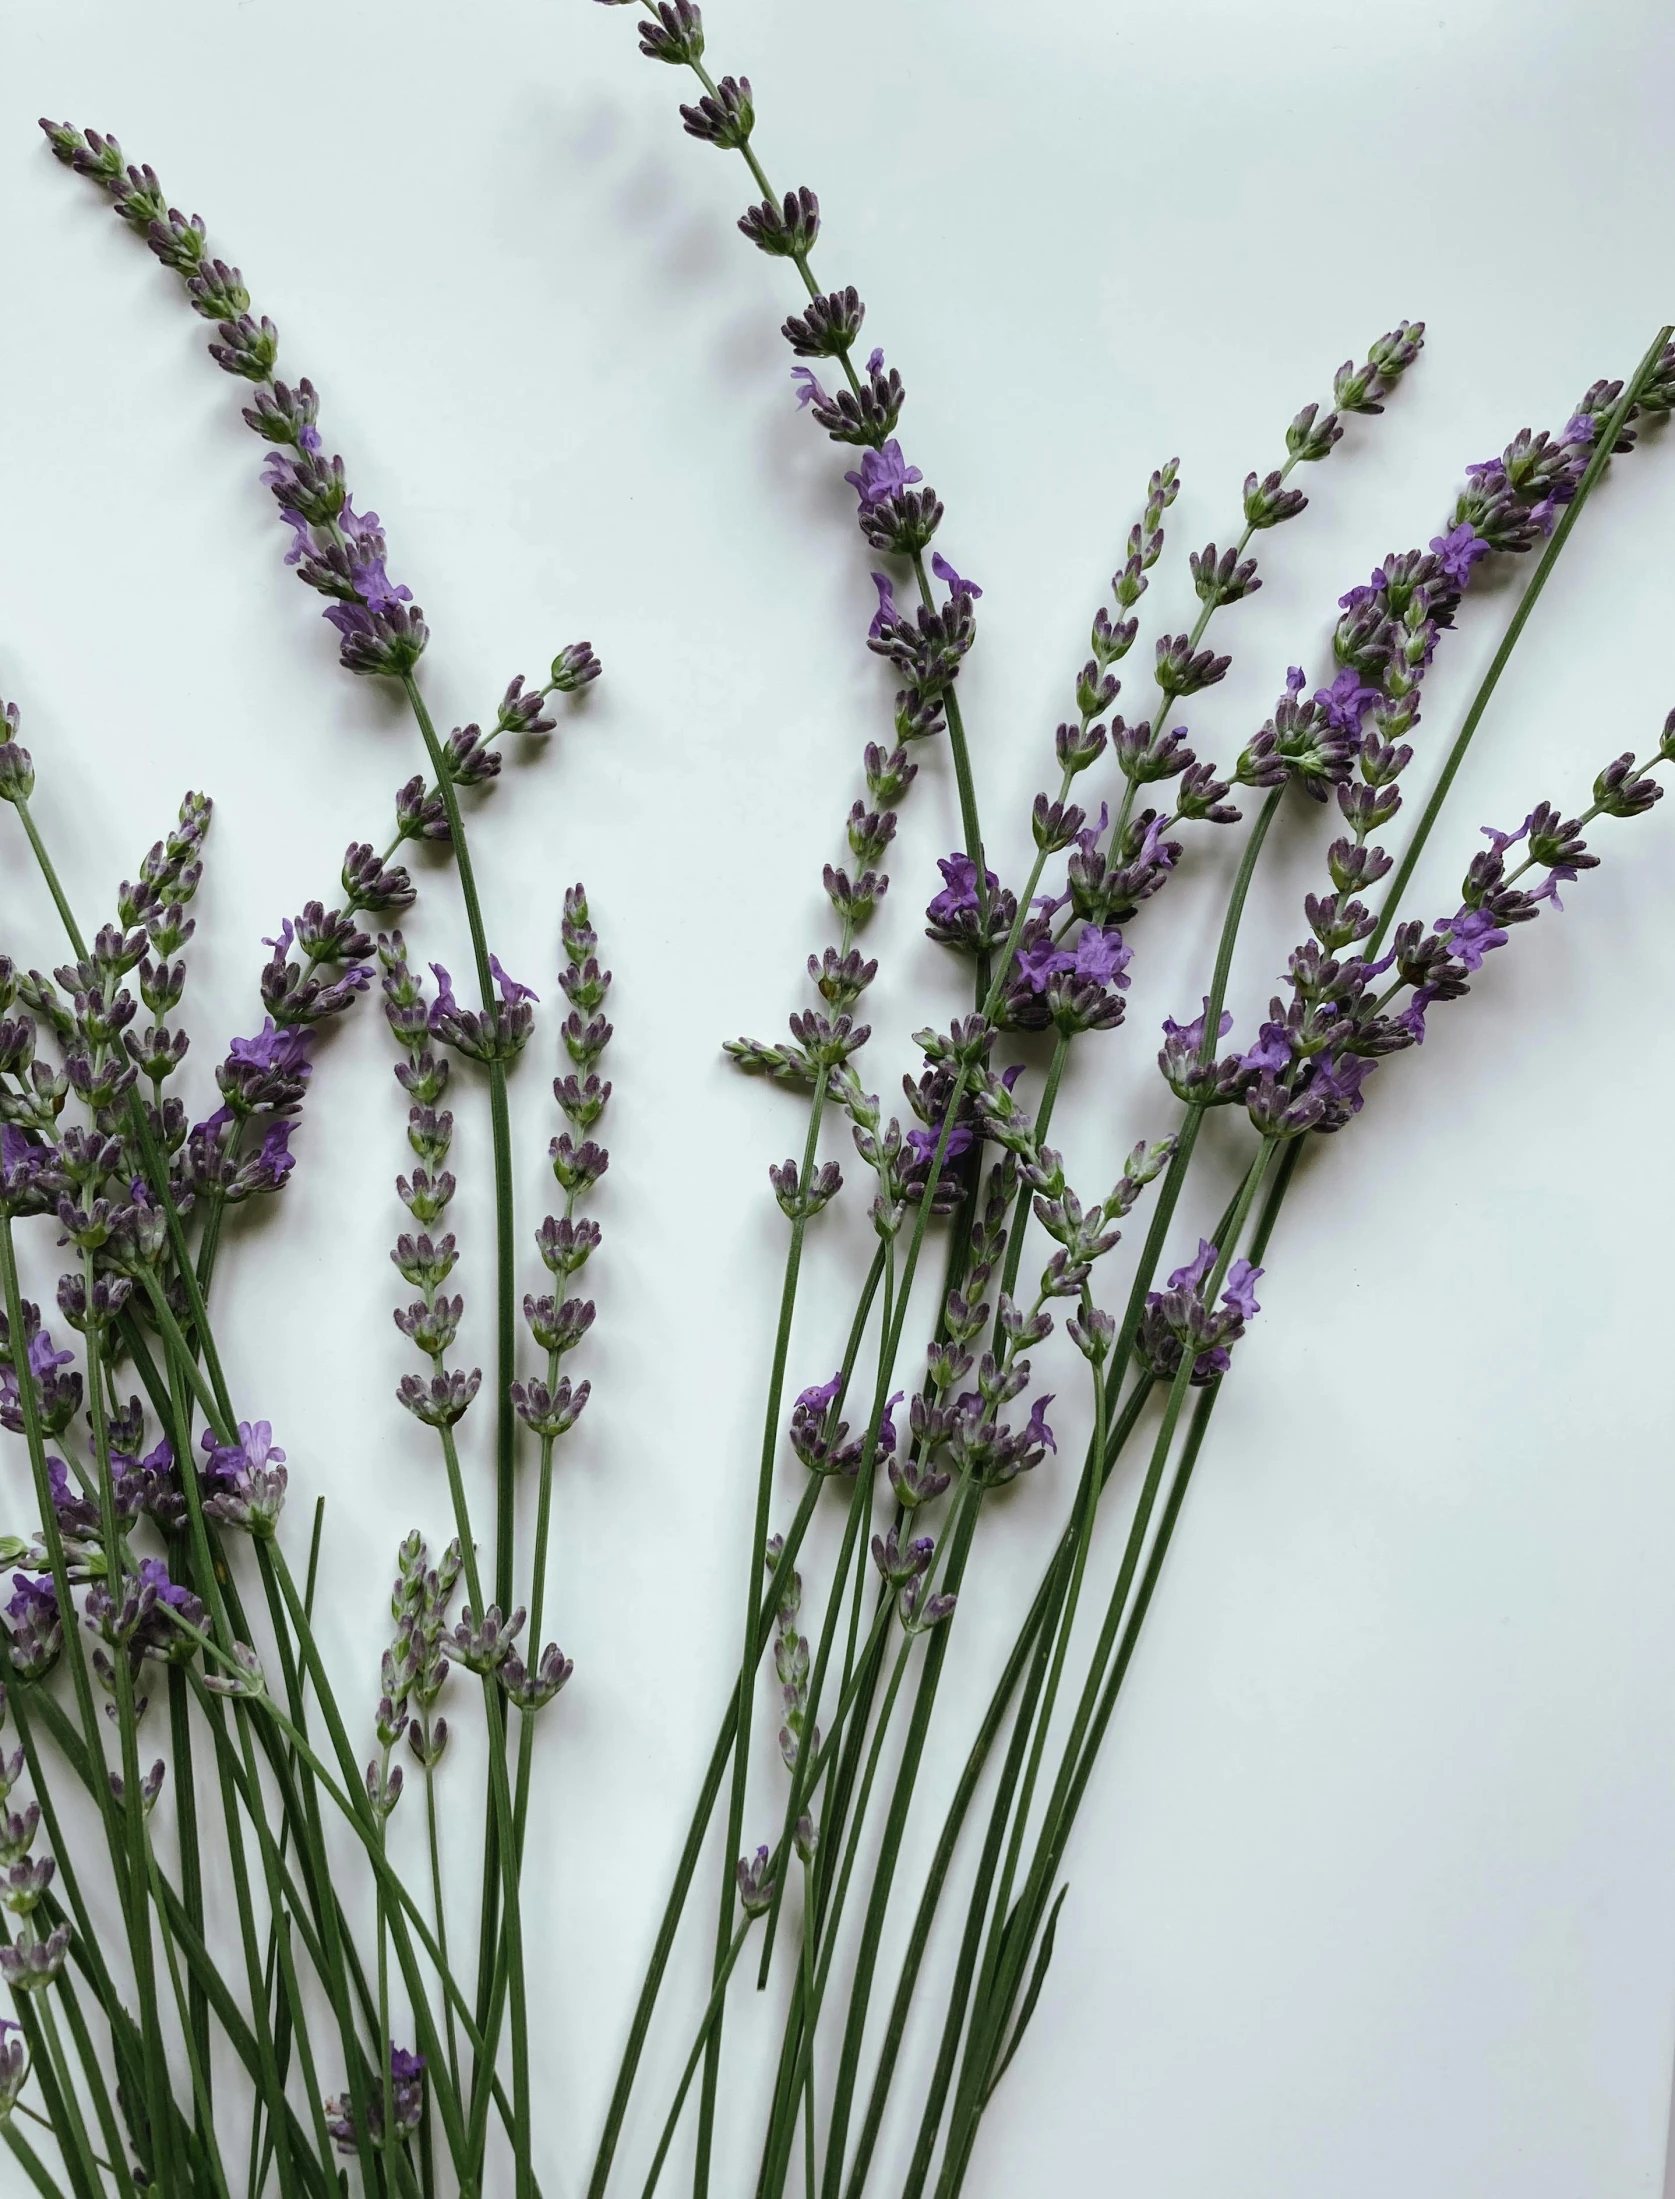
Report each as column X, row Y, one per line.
column 1008, row 1947
column 779, row 2165
column 1035, row 1631
column 509, row 1953
column 433, row 1837
column 747, row 1658
column 1043, row 1715
column 27, row 2159
column 159, row 2102
column 69, row 1616
column 671, row 2121
column 505, row 1419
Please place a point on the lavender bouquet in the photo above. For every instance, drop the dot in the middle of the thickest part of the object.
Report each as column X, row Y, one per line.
column 275, row 1989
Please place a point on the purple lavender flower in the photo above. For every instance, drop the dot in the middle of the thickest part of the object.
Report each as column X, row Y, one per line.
column 1036, row 1430
column 269, row 1071
column 1190, row 1036
column 142, row 1618
column 1101, row 957
column 951, row 579
column 1178, row 1323
column 887, row 1425
column 56, row 1395
column 1459, row 550
column 1195, row 1270
column 244, row 1482
column 76, row 1513
column 1273, row 1049
column 886, row 615
column 1346, row 702
column 823, row 1448
column 151, row 1485
column 1338, row 1078
column 818, row 1398
column 21, row 1160
column 1039, row 961
column 924, row 1141
column 34, row 1626
column 959, row 889
column 1240, row 1293
column 882, row 474
column 809, row 391
column 511, row 992
column 367, row 551
column 407, row 2096
column 1471, row 934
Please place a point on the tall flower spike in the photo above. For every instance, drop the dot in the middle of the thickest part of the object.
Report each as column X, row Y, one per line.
column 431, row 1321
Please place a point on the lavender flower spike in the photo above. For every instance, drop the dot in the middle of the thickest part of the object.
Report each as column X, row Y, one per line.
column 337, row 551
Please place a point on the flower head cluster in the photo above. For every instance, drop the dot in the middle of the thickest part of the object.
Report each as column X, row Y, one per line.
column 24, row 1879
column 34, row 1627
column 791, row 1661
column 558, row 1319
column 1182, row 1320
column 407, row 2087
column 339, row 552
column 90, row 1017
column 414, row 1667
column 142, row 1614
column 422, row 1260
column 822, row 1440
column 499, row 1031
column 956, row 1432
column 336, row 550
column 51, row 1374
column 244, row 1482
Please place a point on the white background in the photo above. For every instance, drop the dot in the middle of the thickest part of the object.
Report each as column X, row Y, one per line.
column 1376, row 1888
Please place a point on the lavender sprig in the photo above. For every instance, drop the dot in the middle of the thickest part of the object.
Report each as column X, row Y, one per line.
column 1491, row 892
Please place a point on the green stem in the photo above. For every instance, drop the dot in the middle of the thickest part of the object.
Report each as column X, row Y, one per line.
column 747, row 1658
column 505, row 1419
column 718, row 1994
column 29, row 2160
column 1010, row 1938
column 159, row 2101
column 508, row 1963
column 1036, row 1628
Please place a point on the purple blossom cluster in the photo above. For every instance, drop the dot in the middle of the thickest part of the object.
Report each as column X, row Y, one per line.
column 34, row 1627
column 407, row 2085
column 1181, row 1319
column 337, row 551
column 822, row 1440
column 90, row 1016
column 791, row 1663
column 138, row 1616
column 414, row 1668
column 263, row 1082
column 424, row 1261
column 558, row 1319
column 244, row 1482
column 53, row 1374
